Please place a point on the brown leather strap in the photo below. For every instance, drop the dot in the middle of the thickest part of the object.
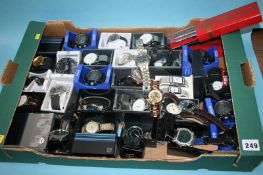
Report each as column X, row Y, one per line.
column 172, row 96
column 211, row 118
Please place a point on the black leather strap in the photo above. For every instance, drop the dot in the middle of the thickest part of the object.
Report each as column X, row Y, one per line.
column 55, row 102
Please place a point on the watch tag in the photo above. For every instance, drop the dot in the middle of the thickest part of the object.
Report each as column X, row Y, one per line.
column 177, row 80
column 1, row 138
column 37, row 36
column 250, row 145
column 175, row 90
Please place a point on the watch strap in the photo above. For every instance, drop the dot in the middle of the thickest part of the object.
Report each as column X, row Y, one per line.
column 55, row 102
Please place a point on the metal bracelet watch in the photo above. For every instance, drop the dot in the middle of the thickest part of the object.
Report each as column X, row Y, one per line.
column 142, row 60
column 155, row 98
column 55, row 93
column 94, row 127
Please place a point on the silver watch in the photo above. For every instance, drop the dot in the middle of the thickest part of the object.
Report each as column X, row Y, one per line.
column 142, row 61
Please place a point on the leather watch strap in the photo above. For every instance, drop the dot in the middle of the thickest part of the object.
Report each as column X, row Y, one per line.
column 55, row 102
column 211, row 118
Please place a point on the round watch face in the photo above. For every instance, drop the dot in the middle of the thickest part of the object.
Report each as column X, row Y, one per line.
column 138, row 105
column 94, row 77
column 173, row 109
column 124, row 58
column 57, row 90
column 38, row 61
column 136, row 74
column 155, row 97
column 146, row 38
column 223, row 108
column 188, row 105
column 184, row 137
column 23, row 100
column 217, row 85
column 90, row 58
column 92, row 127
column 81, row 40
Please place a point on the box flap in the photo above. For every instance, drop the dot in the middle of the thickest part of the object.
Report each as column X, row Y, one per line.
column 244, row 102
column 10, row 93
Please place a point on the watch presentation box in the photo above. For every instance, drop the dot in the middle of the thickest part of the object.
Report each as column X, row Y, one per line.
column 245, row 157
column 115, row 40
column 59, row 96
column 67, row 62
column 152, row 39
column 97, row 58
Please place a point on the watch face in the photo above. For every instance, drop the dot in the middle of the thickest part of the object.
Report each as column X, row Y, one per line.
column 124, row 58
column 92, row 127
column 139, row 105
column 223, row 108
column 94, row 77
column 38, row 61
column 90, row 58
column 217, row 85
column 57, row 90
column 23, row 100
column 146, row 38
column 81, row 40
column 136, row 74
column 188, row 105
column 184, row 137
column 173, row 109
column 155, row 97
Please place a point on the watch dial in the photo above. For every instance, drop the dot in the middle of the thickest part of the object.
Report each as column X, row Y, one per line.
column 136, row 74
column 217, row 85
column 188, row 105
column 124, row 58
column 173, row 109
column 90, row 58
column 138, row 105
column 146, row 38
column 155, row 97
column 92, row 127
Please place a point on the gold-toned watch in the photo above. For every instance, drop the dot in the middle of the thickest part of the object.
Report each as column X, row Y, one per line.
column 38, row 61
column 94, row 127
column 155, row 98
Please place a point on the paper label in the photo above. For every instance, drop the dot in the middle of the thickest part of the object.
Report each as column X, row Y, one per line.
column 250, row 145
column 37, row 36
column 1, row 138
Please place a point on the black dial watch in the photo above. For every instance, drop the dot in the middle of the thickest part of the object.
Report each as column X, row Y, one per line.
column 81, row 40
column 94, row 77
column 55, row 94
column 66, row 66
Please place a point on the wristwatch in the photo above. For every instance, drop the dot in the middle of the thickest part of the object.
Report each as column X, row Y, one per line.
column 55, row 94
column 196, row 114
column 81, row 40
column 142, row 60
column 66, row 66
column 155, row 98
column 184, row 137
column 125, row 58
column 116, row 41
column 94, row 77
column 42, row 63
column 95, row 103
column 94, row 127
column 26, row 100
column 223, row 109
column 94, row 59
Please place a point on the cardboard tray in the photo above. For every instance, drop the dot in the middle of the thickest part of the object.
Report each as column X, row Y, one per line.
column 245, row 108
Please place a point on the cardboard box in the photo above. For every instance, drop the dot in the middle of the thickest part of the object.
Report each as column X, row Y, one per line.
column 245, row 109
